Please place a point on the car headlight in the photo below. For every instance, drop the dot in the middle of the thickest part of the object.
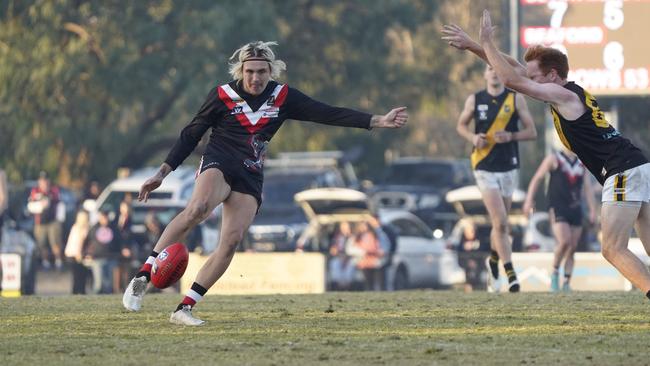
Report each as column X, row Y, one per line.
column 429, row 201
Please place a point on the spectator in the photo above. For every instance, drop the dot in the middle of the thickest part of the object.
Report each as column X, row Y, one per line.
column 123, row 270
column 74, row 251
column 154, row 229
column 367, row 248
column 341, row 267
column 102, row 251
column 470, row 257
column 44, row 202
column 93, row 191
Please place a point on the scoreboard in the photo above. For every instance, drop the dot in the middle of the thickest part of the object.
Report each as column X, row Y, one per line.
column 607, row 41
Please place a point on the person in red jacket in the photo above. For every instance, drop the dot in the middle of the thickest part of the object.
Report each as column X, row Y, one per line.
column 44, row 200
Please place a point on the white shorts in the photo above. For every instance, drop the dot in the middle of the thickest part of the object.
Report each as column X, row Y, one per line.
column 504, row 182
column 630, row 185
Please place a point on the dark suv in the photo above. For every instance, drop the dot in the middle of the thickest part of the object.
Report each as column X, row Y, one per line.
column 419, row 185
column 281, row 220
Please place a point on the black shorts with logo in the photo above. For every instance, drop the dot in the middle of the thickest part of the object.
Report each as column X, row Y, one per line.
column 236, row 175
column 570, row 215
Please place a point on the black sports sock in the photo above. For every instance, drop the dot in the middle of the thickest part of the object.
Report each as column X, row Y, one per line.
column 512, row 277
column 647, row 294
column 494, row 263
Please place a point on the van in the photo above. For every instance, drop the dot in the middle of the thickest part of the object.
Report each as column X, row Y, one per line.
column 165, row 202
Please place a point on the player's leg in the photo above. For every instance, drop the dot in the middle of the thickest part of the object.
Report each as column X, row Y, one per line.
column 562, row 233
column 497, row 207
column 642, row 226
column 569, row 261
column 210, row 190
column 617, row 219
column 238, row 213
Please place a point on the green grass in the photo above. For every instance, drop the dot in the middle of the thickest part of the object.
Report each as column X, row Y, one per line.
column 413, row 328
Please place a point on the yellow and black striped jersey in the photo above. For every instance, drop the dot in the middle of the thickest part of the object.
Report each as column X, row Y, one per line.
column 492, row 114
column 600, row 147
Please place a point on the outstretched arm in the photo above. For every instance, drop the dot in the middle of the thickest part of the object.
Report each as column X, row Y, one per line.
column 458, row 38
column 396, row 118
column 547, row 165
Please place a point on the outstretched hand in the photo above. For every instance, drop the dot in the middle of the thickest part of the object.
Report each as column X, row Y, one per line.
column 396, row 118
column 456, row 37
column 148, row 186
column 486, row 31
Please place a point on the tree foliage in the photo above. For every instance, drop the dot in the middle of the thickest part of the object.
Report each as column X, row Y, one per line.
column 91, row 86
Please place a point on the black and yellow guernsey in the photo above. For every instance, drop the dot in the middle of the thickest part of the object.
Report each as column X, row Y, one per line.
column 600, row 147
column 491, row 114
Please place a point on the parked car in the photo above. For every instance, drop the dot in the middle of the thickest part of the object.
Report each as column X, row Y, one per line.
column 281, row 220
column 419, row 185
column 418, row 259
column 468, row 203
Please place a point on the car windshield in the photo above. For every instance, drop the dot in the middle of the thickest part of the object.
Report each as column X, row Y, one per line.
column 429, row 174
column 279, row 189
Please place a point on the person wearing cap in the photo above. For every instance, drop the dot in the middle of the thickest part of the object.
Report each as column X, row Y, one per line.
column 43, row 203
column 243, row 114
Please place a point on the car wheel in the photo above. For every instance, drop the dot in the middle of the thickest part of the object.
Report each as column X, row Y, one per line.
column 401, row 281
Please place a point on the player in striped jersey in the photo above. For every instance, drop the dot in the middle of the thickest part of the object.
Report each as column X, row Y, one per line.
column 496, row 112
column 617, row 164
column 243, row 115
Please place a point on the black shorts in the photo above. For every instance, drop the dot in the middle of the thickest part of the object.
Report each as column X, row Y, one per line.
column 236, row 175
column 570, row 215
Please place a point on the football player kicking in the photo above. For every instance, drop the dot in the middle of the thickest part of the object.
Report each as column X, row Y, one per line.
column 243, row 114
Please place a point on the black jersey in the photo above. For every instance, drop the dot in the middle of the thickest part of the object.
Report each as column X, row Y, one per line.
column 243, row 124
column 491, row 114
column 599, row 146
column 565, row 184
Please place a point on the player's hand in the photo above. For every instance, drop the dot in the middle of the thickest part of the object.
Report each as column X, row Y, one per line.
column 501, row 137
column 528, row 208
column 592, row 217
column 479, row 140
column 148, row 186
column 486, row 31
column 396, row 118
column 456, row 37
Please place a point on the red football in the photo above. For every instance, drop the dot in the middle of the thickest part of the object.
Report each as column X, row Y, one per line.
column 169, row 266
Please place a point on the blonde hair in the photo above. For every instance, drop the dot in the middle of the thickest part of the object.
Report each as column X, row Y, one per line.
column 257, row 50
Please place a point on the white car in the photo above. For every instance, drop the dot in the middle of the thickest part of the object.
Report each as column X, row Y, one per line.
column 418, row 259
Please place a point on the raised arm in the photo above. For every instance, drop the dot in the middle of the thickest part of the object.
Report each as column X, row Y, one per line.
column 546, row 92
column 458, row 38
column 466, row 116
column 548, row 164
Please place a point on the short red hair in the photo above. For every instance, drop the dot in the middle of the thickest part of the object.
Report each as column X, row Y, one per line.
column 548, row 58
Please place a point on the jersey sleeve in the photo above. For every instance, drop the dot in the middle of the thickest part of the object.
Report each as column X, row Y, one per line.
column 207, row 116
column 303, row 108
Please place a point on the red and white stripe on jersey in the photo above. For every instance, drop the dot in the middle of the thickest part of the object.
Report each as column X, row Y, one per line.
column 572, row 170
column 249, row 119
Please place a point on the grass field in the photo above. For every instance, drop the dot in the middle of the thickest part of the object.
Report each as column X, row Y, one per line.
column 406, row 328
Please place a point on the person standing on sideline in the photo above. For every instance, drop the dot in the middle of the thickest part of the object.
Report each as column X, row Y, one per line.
column 496, row 112
column 615, row 162
column 74, row 249
column 43, row 204
column 566, row 185
column 243, row 114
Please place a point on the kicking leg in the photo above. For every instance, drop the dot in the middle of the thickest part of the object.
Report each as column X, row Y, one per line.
column 210, row 190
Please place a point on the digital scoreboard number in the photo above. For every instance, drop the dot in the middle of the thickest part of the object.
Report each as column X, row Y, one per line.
column 607, row 41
